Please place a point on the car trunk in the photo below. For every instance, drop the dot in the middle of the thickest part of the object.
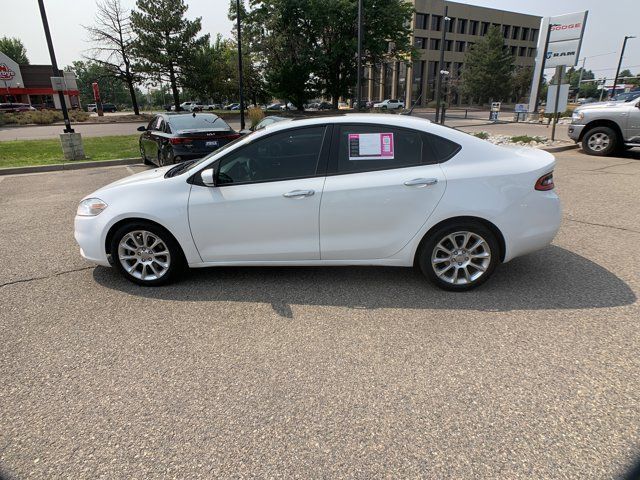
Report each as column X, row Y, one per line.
column 203, row 140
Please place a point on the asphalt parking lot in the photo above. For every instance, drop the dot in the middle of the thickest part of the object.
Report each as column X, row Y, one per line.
column 322, row 372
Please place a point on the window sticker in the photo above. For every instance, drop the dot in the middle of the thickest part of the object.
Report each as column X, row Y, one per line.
column 371, row 146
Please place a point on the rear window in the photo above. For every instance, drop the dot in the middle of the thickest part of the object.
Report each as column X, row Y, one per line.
column 190, row 122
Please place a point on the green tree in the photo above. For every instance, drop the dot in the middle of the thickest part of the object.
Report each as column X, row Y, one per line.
column 112, row 90
column 309, row 46
column 165, row 40
column 14, row 49
column 488, row 66
column 113, row 37
column 521, row 81
column 625, row 74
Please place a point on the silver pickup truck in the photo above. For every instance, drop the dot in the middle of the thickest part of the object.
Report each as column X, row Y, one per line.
column 606, row 127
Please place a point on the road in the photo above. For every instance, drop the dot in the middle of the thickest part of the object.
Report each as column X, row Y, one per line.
column 322, row 372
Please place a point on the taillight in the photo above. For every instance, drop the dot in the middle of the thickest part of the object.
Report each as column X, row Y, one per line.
column 180, row 140
column 545, row 182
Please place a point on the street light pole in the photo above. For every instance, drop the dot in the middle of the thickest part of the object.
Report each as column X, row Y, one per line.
column 445, row 26
column 54, row 67
column 624, row 45
column 240, row 77
column 584, row 61
column 359, row 76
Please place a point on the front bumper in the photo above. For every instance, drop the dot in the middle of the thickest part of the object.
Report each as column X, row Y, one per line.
column 574, row 131
column 88, row 234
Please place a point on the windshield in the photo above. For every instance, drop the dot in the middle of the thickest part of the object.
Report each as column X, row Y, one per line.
column 185, row 167
column 199, row 121
column 626, row 97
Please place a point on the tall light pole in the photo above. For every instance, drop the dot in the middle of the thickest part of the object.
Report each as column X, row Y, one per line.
column 54, row 67
column 624, row 45
column 584, row 61
column 240, row 77
column 443, row 40
column 359, row 76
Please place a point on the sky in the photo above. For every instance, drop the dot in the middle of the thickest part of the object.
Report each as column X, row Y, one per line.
column 606, row 26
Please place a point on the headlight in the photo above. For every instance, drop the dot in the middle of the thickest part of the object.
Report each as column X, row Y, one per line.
column 90, row 207
column 577, row 116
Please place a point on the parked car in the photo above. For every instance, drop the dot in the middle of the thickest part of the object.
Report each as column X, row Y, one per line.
column 392, row 190
column 106, row 107
column 343, row 106
column 191, row 106
column 230, row 106
column 275, row 106
column 212, row 106
column 325, row 106
column 606, row 127
column 172, row 138
column 389, row 104
column 16, row 107
column 266, row 121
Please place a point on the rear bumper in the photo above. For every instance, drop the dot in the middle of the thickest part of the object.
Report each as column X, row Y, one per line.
column 575, row 131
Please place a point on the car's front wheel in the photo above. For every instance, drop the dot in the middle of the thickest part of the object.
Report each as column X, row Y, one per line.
column 146, row 254
column 459, row 256
column 600, row 141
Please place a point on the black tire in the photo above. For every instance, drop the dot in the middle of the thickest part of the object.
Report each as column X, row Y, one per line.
column 453, row 282
column 144, row 157
column 608, row 138
column 175, row 259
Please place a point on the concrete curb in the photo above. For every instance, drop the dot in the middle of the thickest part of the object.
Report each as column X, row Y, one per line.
column 561, row 148
column 68, row 166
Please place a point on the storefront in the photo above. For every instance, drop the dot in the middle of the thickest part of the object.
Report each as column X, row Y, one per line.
column 31, row 84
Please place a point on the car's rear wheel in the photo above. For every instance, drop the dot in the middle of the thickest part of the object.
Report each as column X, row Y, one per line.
column 600, row 141
column 459, row 257
column 146, row 254
column 144, row 157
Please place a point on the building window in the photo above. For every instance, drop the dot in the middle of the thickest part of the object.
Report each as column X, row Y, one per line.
column 422, row 20
column 451, row 25
column 460, row 46
column 420, row 42
column 506, row 30
column 532, row 52
column 522, row 52
column 515, row 33
column 534, row 34
column 513, row 50
column 473, row 27
column 525, row 34
column 436, row 22
column 484, row 29
column 435, row 44
column 448, row 44
column 462, row 26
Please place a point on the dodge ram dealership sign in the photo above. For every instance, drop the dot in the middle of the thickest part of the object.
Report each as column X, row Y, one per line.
column 565, row 38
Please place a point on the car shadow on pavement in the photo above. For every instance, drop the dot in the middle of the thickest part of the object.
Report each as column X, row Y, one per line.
column 553, row 278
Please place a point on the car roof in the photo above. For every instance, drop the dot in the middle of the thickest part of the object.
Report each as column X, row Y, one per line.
column 191, row 114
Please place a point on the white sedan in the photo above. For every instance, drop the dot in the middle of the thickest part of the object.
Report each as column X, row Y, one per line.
column 344, row 190
column 389, row 104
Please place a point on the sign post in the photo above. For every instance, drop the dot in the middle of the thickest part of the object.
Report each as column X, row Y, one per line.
column 96, row 97
column 556, row 103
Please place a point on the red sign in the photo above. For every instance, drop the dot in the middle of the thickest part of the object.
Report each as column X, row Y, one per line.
column 6, row 73
column 96, row 92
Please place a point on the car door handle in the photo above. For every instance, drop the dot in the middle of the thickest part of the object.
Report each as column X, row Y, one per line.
column 298, row 193
column 421, row 182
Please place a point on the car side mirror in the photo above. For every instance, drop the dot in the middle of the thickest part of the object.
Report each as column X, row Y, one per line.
column 245, row 131
column 208, row 177
column 142, row 128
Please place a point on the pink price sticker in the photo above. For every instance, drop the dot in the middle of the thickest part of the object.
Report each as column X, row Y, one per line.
column 386, row 140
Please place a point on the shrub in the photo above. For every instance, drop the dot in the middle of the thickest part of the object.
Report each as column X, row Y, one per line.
column 527, row 139
column 43, row 117
column 255, row 115
column 482, row 135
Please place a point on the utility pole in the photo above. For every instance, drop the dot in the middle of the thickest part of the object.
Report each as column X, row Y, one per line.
column 359, row 82
column 240, row 78
column 443, row 39
column 624, row 45
column 54, row 67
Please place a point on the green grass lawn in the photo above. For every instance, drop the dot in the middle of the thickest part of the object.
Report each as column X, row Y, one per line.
column 22, row 153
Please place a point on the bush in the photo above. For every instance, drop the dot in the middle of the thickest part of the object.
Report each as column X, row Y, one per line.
column 42, row 117
column 255, row 115
column 482, row 135
column 527, row 139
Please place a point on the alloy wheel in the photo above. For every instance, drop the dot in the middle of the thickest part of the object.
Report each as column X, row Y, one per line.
column 461, row 258
column 144, row 255
column 598, row 141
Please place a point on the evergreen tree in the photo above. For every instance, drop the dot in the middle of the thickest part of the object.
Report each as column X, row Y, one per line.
column 165, row 41
column 488, row 69
column 14, row 49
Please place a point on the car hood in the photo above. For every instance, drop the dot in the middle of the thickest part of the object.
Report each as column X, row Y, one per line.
column 601, row 106
column 136, row 179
